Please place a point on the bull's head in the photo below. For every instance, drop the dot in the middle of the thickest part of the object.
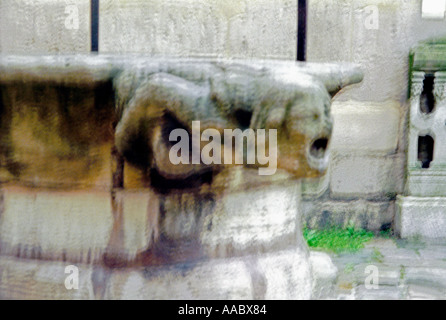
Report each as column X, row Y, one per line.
column 292, row 98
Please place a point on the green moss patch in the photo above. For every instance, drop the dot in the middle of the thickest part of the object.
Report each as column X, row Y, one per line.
column 337, row 240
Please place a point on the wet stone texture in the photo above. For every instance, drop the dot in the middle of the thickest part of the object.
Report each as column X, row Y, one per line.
column 87, row 180
column 404, row 269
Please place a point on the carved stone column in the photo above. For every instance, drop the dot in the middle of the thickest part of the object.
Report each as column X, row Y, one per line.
column 421, row 211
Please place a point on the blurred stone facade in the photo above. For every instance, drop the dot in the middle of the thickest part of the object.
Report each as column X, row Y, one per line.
column 367, row 168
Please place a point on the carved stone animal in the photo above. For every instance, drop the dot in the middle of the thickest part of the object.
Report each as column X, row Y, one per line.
column 152, row 96
column 86, row 177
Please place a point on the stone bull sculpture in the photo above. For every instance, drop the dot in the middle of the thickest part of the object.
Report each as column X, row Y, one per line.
column 77, row 126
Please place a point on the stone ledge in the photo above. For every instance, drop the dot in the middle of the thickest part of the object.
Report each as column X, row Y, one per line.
column 279, row 275
column 429, row 183
column 362, row 214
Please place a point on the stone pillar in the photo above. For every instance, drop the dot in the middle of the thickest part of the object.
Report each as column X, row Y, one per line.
column 421, row 211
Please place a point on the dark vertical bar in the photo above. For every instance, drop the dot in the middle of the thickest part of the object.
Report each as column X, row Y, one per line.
column 301, row 30
column 94, row 9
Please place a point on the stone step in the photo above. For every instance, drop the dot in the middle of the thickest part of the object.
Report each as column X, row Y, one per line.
column 281, row 275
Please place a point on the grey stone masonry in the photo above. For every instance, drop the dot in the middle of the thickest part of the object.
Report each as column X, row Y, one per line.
column 421, row 210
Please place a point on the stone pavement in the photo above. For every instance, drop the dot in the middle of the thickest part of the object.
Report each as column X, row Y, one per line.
column 406, row 269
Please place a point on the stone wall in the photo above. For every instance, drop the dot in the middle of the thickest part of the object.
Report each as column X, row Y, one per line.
column 39, row 26
column 368, row 146
column 368, row 150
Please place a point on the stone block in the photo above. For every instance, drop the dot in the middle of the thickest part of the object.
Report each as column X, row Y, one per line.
column 324, row 274
column 42, row 26
column 58, row 225
column 356, row 175
column 365, row 127
column 421, row 216
column 247, row 28
column 368, row 215
column 279, row 275
column 427, row 277
column 25, row 279
column 429, row 183
column 253, row 221
column 187, row 282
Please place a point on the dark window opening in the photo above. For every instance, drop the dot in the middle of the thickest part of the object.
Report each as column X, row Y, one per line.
column 427, row 100
column 425, row 151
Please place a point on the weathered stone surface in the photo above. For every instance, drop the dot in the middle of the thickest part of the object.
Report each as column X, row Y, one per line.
column 280, row 275
column 25, row 279
column 44, row 26
column 184, row 282
column 367, row 215
column 421, row 216
column 421, row 212
column 56, row 138
column 430, row 183
column 417, row 292
column 365, row 127
column 354, row 175
column 287, row 275
column 429, row 55
column 425, row 167
column 365, row 135
column 253, row 221
column 387, row 275
column 313, row 188
column 55, row 225
column 324, row 274
column 429, row 277
column 408, row 269
column 383, row 293
column 375, row 34
column 263, row 29
column 153, row 93
column 245, row 29
column 190, row 227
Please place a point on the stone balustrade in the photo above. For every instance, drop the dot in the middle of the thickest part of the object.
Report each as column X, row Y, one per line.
column 421, row 208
